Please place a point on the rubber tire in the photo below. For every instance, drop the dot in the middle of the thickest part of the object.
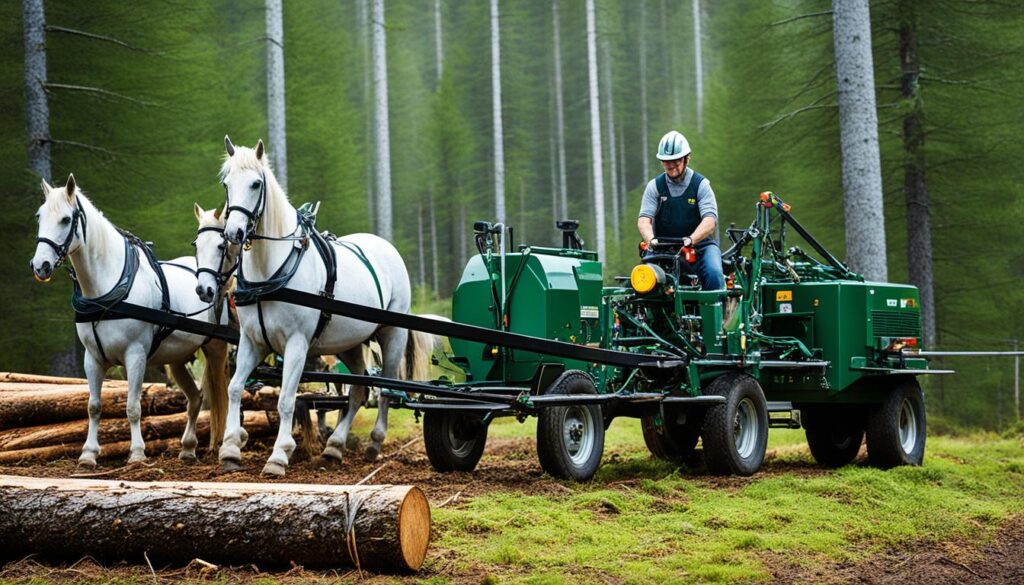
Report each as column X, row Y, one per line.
column 672, row 441
column 720, row 452
column 442, row 453
column 551, row 448
column 883, row 431
column 834, row 436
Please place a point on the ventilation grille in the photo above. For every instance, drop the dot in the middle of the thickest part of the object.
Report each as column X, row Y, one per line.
column 896, row 323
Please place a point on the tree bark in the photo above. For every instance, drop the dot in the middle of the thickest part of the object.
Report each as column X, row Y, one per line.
column 40, row 379
column 21, row 409
column 381, row 125
column 49, row 442
column 37, row 108
column 613, row 154
column 858, row 125
column 563, row 190
column 597, row 165
column 644, row 138
column 499, row 138
column 915, row 179
column 380, row 527
column 698, row 66
column 275, row 91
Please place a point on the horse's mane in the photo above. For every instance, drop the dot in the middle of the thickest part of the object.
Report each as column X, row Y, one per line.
column 279, row 209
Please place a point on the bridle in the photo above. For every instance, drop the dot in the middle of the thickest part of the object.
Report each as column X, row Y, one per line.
column 254, row 215
column 62, row 249
column 221, row 275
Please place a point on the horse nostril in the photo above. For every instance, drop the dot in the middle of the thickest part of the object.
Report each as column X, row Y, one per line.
column 46, row 267
column 238, row 235
column 199, row 289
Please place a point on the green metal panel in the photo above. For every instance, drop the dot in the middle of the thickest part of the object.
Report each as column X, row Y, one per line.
column 550, row 295
column 840, row 319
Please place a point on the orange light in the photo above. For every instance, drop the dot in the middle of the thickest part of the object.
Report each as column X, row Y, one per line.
column 911, row 341
column 786, row 207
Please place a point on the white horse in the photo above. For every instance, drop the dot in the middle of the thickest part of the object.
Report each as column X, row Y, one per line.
column 369, row 272
column 110, row 265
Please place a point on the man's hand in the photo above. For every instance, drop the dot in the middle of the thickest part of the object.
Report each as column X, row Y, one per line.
column 687, row 242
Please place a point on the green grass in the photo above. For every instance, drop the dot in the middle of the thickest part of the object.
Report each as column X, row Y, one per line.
column 642, row 520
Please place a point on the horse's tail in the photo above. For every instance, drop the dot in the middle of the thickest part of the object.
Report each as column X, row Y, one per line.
column 309, row 430
column 215, row 388
column 418, row 349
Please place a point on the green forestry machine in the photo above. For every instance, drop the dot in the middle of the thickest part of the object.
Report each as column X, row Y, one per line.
column 794, row 340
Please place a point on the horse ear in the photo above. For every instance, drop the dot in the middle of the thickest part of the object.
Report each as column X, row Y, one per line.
column 228, row 146
column 259, row 150
column 70, row 187
column 46, row 188
column 217, row 212
column 198, row 210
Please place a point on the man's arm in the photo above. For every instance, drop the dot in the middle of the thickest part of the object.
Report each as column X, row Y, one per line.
column 705, row 228
column 646, row 227
column 708, row 207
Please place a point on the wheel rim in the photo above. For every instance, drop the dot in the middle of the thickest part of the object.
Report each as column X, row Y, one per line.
column 908, row 426
column 578, row 433
column 746, row 428
column 460, row 447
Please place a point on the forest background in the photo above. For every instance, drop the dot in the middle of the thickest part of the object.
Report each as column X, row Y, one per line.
column 140, row 102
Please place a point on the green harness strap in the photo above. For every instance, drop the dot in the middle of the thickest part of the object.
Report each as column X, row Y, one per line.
column 355, row 249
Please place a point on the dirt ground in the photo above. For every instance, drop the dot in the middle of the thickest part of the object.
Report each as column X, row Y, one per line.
column 508, row 465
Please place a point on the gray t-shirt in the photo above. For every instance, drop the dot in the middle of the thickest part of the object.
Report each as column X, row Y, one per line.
column 706, row 202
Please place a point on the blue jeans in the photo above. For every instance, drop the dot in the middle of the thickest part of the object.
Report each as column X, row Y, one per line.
column 709, row 267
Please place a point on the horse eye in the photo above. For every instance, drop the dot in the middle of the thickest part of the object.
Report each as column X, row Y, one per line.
column 65, row 221
column 255, row 185
column 222, row 246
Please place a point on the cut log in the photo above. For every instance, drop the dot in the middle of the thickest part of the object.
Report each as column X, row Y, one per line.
column 49, row 442
column 39, row 379
column 385, row 528
column 84, row 386
column 57, row 404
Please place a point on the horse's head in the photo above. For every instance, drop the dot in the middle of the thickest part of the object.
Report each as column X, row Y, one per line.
column 61, row 228
column 244, row 176
column 215, row 256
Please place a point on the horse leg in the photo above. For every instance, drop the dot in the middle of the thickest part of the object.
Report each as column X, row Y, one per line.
column 335, row 448
column 135, row 367
column 249, row 356
column 294, row 360
column 392, row 344
column 195, row 402
column 94, row 370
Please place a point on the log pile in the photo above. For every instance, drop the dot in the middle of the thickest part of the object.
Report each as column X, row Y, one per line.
column 380, row 527
column 45, row 417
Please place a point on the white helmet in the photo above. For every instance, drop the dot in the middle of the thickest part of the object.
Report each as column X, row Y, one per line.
column 673, row 146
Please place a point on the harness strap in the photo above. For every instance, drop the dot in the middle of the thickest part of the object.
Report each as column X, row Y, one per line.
column 263, row 328
column 355, row 249
column 165, row 297
column 330, row 261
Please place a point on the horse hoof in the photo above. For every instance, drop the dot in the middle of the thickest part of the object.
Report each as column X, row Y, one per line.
column 88, row 464
column 372, row 452
column 274, row 469
column 136, row 458
column 333, row 453
column 229, row 465
column 188, row 457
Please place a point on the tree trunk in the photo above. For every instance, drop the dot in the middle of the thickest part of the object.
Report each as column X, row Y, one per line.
column 597, row 165
column 275, row 92
column 644, row 138
column 698, row 65
column 363, row 22
column 420, row 246
column 563, row 190
column 381, row 126
column 437, row 41
column 499, row 139
column 37, row 109
column 613, row 155
column 112, row 430
column 858, row 125
column 384, row 527
column 915, row 180
column 21, row 409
